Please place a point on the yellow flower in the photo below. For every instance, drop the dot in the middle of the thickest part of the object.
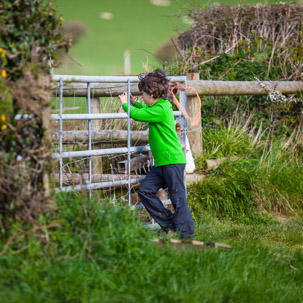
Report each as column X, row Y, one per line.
column 0, row 49
column 3, row 73
column 3, row 127
column 2, row 118
column 2, row 54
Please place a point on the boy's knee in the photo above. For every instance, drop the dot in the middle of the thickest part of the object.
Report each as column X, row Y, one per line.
column 142, row 191
column 146, row 191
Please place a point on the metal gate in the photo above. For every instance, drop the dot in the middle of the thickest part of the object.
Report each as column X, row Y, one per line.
column 63, row 84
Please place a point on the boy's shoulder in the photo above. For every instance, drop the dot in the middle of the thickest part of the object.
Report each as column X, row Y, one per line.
column 165, row 107
column 163, row 103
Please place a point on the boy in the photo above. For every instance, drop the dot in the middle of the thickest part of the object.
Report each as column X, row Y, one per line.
column 167, row 152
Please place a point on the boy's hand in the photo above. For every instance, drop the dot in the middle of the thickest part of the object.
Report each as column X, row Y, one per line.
column 123, row 98
column 132, row 100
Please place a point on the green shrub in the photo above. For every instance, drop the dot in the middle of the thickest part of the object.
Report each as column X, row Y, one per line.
column 240, row 44
column 29, row 41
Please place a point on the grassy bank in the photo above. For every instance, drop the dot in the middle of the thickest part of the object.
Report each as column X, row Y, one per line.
column 255, row 174
column 83, row 252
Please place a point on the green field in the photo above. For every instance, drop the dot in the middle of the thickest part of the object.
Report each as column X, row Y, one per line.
column 137, row 25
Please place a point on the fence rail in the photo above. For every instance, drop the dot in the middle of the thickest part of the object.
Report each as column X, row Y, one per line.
column 101, row 136
column 203, row 87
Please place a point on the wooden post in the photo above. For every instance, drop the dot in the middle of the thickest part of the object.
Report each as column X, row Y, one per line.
column 104, row 136
column 46, row 124
column 96, row 125
column 194, row 134
column 95, row 109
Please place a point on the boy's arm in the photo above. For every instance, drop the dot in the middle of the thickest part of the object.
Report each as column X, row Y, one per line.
column 123, row 99
column 148, row 114
column 139, row 105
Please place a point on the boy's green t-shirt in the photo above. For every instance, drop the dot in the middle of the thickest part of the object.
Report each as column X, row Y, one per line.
column 163, row 140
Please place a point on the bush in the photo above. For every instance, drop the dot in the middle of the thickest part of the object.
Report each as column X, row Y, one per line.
column 240, row 44
column 29, row 41
column 244, row 41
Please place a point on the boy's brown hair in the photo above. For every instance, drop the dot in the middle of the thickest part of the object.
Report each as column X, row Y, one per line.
column 154, row 84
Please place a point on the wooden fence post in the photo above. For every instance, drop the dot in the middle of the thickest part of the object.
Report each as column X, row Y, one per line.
column 46, row 124
column 96, row 125
column 194, row 134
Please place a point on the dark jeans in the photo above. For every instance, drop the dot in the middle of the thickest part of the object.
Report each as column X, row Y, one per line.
column 171, row 177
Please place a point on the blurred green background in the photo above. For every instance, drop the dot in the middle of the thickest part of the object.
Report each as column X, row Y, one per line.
column 110, row 27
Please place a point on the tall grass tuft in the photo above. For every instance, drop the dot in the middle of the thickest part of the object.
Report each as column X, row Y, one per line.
column 253, row 176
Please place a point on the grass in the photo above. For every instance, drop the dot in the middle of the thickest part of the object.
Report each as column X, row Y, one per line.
column 103, row 254
column 132, row 28
column 137, row 26
column 254, row 176
column 259, row 229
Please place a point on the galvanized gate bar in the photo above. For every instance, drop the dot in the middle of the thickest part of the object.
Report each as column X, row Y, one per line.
column 183, row 102
column 60, row 129
column 89, row 127
column 99, row 185
column 90, row 116
column 100, row 152
column 128, row 140
column 107, row 79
